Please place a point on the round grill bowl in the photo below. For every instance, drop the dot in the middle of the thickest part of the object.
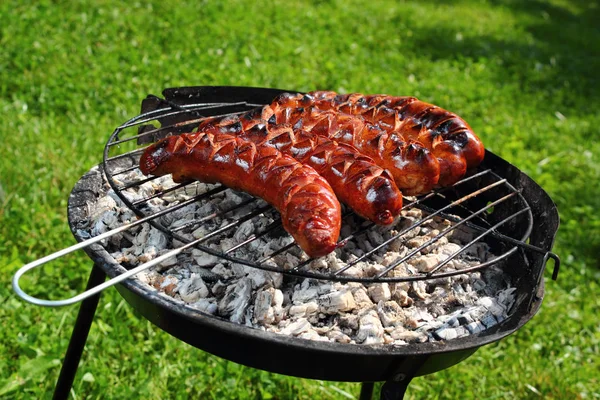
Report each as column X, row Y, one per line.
column 333, row 361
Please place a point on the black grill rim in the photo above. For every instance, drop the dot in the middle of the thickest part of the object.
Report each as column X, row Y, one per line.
column 325, row 360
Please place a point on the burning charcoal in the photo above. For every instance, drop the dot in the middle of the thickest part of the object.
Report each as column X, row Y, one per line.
column 447, row 250
column 430, row 326
column 336, row 335
column 417, row 241
column 390, row 257
column 286, row 260
column 400, row 333
column 390, row 313
column 488, row 320
column 475, row 327
column 125, row 258
column 419, row 288
column 148, row 254
column 445, row 334
column 439, row 309
column 424, row 263
column 478, row 284
column 374, row 236
column 372, row 269
column 232, row 198
column 263, row 312
column 204, row 259
column 361, row 297
column 106, row 221
column 102, row 206
column 492, row 305
column 461, row 331
column 379, row 292
column 370, row 330
column 297, row 327
column 349, row 321
column 193, row 289
column 318, row 264
column 236, row 299
column 208, row 305
column 402, row 298
column 461, row 234
column 507, row 297
column 365, row 246
column 243, row 231
column 167, row 284
column 355, row 271
column 337, row 301
column 148, row 276
column 436, row 309
column 464, row 319
column 222, row 271
column 200, row 232
column 304, row 294
column 478, row 250
column 311, row 334
column 304, row 310
column 333, row 262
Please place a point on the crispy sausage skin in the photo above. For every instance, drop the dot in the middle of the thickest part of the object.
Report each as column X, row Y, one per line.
column 357, row 181
column 309, row 210
column 413, row 167
column 449, row 137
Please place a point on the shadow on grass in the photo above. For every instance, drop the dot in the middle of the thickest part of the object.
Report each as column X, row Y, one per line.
column 555, row 65
column 563, row 57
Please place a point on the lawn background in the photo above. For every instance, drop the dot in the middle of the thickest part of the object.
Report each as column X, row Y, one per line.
column 525, row 74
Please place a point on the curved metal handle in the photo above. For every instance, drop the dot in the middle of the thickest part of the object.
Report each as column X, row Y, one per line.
column 556, row 263
column 81, row 245
column 95, row 290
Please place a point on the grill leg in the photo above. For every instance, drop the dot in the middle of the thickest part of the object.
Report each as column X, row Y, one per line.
column 366, row 391
column 87, row 310
column 394, row 390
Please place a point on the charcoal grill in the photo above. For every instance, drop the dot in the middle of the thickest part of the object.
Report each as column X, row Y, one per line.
column 509, row 211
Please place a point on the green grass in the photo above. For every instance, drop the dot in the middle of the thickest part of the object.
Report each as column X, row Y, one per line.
column 523, row 73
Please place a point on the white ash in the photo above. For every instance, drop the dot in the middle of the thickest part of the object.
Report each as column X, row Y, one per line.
column 376, row 313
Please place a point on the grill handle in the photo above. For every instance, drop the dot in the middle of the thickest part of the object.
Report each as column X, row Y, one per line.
column 88, row 293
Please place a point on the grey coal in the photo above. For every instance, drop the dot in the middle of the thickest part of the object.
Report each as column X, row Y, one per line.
column 360, row 313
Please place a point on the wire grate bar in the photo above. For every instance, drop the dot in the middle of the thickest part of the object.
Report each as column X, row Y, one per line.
column 167, row 127
column 443, row 233
column 272, row 226
column 456, row 253
column 417, row 224
column 198, row 221
column 238, row 222
column 125, row 155
column 138, row 183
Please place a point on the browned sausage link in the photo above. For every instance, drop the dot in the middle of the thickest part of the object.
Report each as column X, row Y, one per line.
column 459, row 147
column 310, row 212
column 414, row 168
column 431, row 125
column 356, row 179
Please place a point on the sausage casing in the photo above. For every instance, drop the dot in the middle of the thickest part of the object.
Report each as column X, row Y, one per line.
column 448, row 136
column 413, row 167
column 356, row 179
column 309, row 210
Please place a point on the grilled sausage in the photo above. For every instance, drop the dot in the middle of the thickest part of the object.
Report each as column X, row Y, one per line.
column 309, row 210
column 448, row 136
column 356, row 180
column 413, row 167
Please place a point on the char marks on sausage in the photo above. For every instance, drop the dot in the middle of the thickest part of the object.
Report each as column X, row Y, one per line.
column 309, row 209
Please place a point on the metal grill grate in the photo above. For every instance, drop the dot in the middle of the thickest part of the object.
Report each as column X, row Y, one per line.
column 483, row 202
